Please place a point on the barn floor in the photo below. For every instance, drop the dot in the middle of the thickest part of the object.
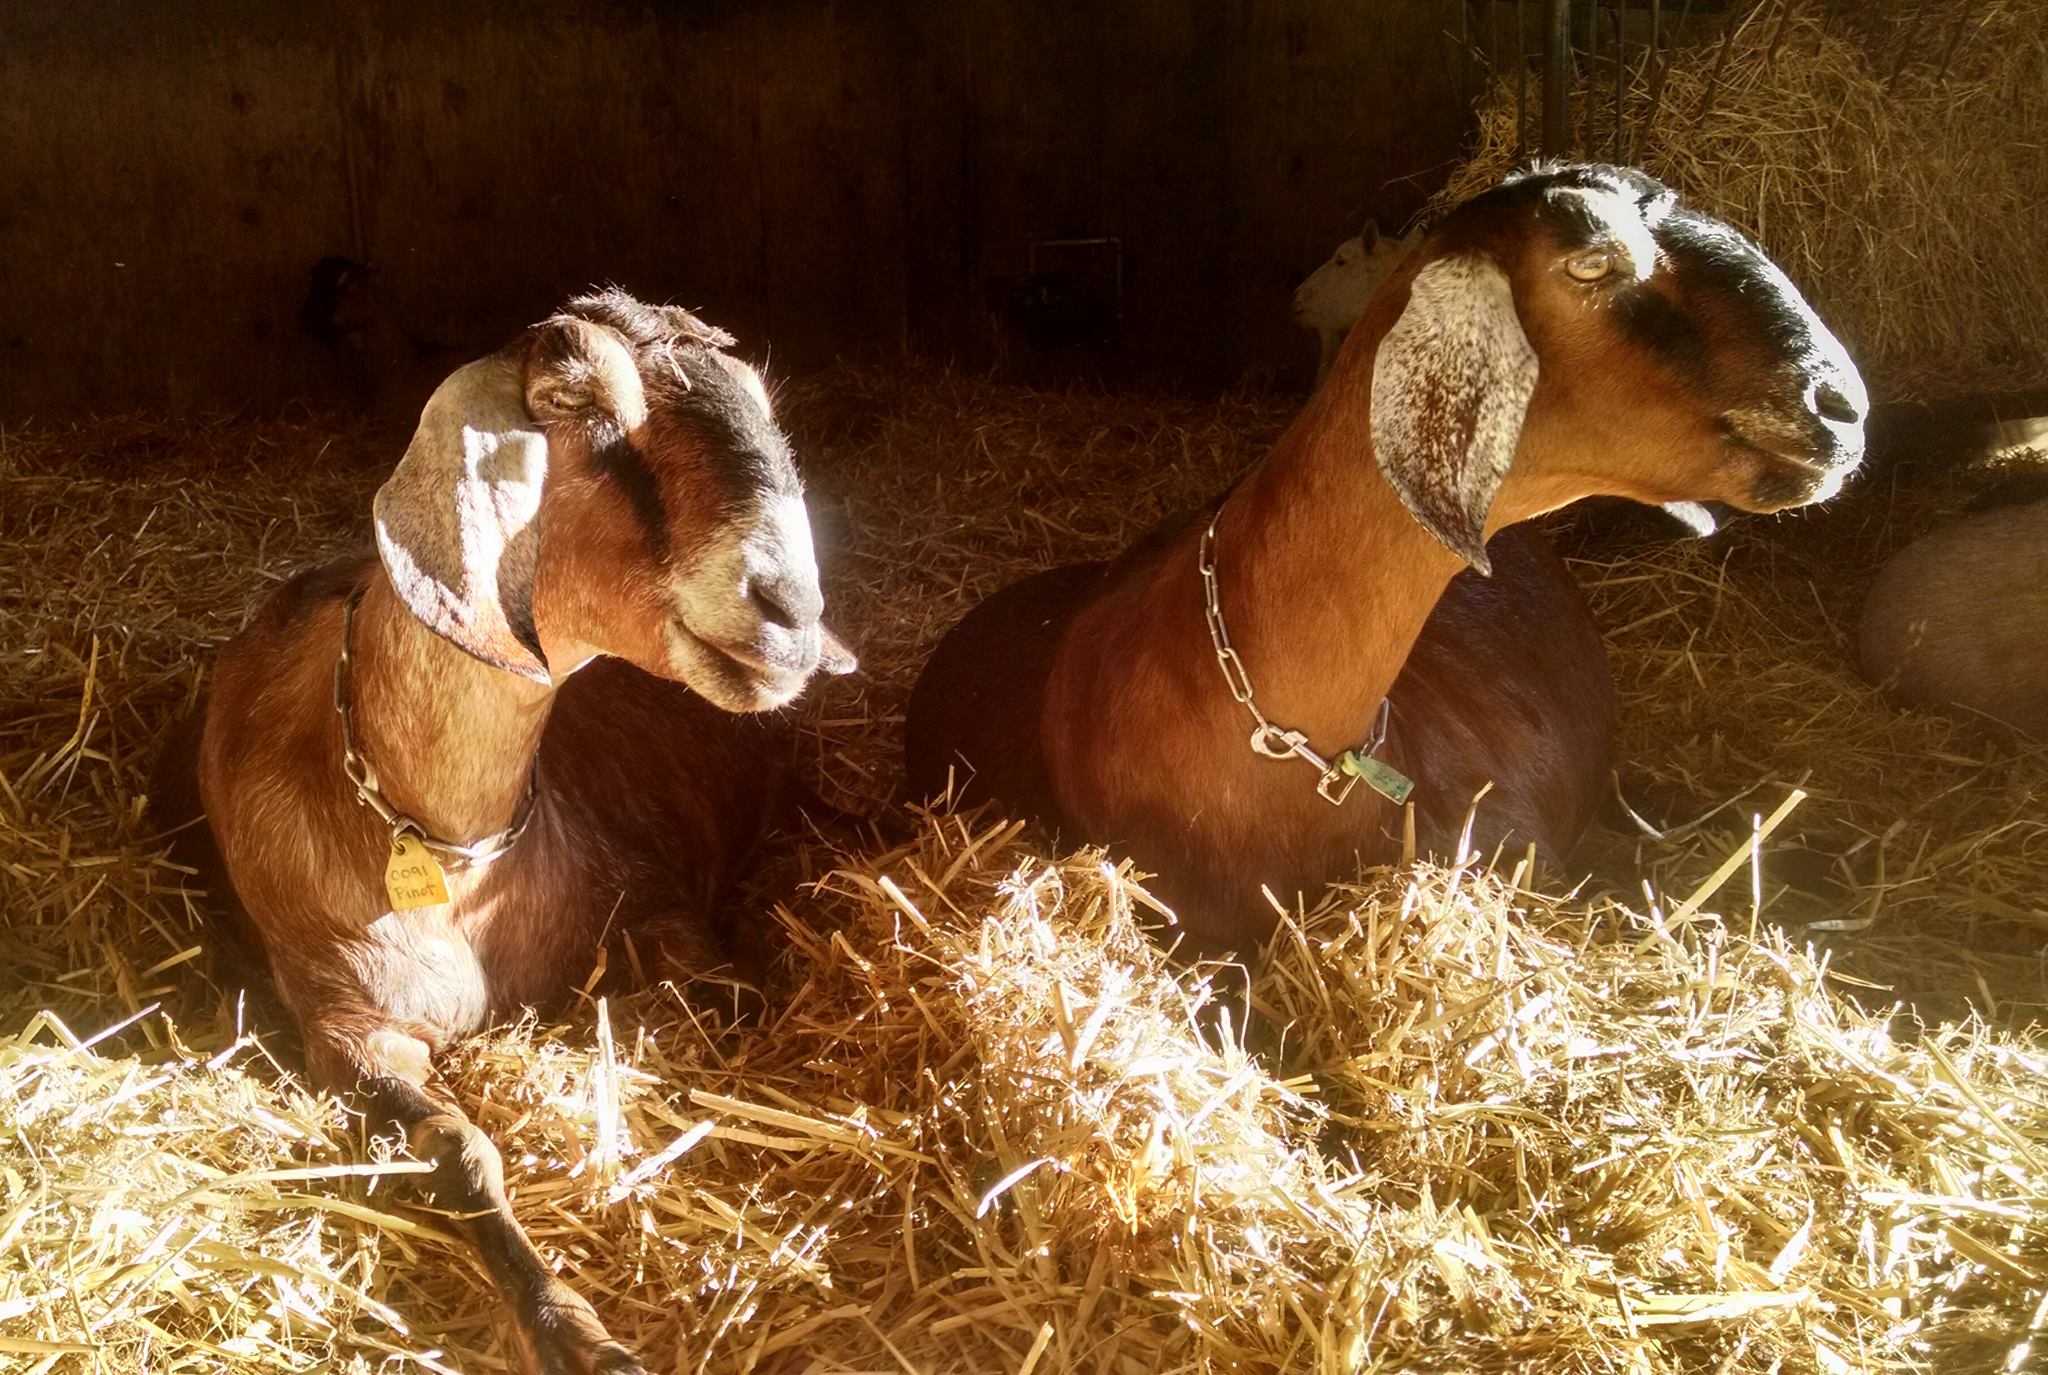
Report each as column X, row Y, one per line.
column 1579, row 1123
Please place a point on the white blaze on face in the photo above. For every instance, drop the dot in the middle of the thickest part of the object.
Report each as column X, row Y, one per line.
column 778, row 547
column 1628, row 227
column 773, row 550
column 780, row 543
column 756, row 388
column 1830, row 357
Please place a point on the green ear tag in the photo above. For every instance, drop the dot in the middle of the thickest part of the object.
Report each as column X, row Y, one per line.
column 1384, row 779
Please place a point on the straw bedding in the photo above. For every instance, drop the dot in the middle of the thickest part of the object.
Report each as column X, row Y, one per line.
column 1495, row 1122
column 1887, row 156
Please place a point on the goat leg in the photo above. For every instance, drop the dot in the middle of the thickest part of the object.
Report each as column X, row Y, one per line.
column 558, row 1331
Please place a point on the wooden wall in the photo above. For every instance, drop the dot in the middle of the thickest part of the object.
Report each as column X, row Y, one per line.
column 826, row 179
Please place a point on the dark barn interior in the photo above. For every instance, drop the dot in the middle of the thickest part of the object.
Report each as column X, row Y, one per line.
column 1136, row 391
column 826, row 180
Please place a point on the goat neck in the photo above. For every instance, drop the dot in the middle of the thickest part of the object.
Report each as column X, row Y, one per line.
column 1326, row 579
column 452, row 739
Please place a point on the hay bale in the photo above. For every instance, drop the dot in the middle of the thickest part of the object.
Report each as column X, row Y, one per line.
column 1890, row 161
column 176, row 1213
column 1507, row 1133
column 986, row 1125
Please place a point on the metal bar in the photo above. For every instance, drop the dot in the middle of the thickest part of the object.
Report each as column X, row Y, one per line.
column 1955, row 40
column 345, row 112
column 1620, row 76
column 1592, row 46
column 1557, row 43
column 1584, row 136
column 1657, row 75
column 1728, row 31
column 1521, row 82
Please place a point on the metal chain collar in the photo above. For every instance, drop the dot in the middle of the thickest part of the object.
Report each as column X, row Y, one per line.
column 363, row 774
column 1336, row 778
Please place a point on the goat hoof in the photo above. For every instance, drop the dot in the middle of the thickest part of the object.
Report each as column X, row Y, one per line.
column 561, row 1335
column 563, row 1354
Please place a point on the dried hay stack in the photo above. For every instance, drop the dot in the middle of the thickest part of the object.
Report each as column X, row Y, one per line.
column 1891, row 159
column 1504, row 1128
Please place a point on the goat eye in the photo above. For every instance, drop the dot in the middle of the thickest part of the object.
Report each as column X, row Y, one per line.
column 1589, row 267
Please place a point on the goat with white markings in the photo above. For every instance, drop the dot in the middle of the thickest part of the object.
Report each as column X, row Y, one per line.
column 432, row 780
column 1331, row 298
column 1363, row 607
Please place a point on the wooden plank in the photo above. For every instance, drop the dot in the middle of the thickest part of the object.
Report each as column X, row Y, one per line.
column 164, row 198
column 939, row 131
column 510, row 163
column 830, row 167
column 1167, row 185
column 824, row 177
column 1038, row 78
column 1336, row 112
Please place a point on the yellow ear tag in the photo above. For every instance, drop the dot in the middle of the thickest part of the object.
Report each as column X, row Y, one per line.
column 412, row 876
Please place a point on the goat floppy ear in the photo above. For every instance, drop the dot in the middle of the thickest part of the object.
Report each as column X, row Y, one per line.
column 1450, row 385
column 457, row 519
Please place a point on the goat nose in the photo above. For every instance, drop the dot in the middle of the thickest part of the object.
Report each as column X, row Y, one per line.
column 1830, row 403
column 786, row 601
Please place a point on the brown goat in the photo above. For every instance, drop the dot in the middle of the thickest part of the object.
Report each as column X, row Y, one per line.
column 594, row 552
column 1571, row 332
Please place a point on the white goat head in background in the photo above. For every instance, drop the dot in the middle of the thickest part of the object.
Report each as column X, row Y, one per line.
column 1332, row 297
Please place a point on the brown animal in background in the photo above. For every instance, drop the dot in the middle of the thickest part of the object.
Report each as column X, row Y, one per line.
column 594, row 552
column 1571, row 332
column 1958, row 619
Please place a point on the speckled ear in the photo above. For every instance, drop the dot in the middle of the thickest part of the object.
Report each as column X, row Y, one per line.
column 456, row 520
column 1450, row 385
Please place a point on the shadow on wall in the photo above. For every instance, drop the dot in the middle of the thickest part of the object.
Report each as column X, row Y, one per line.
column 375, row 366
